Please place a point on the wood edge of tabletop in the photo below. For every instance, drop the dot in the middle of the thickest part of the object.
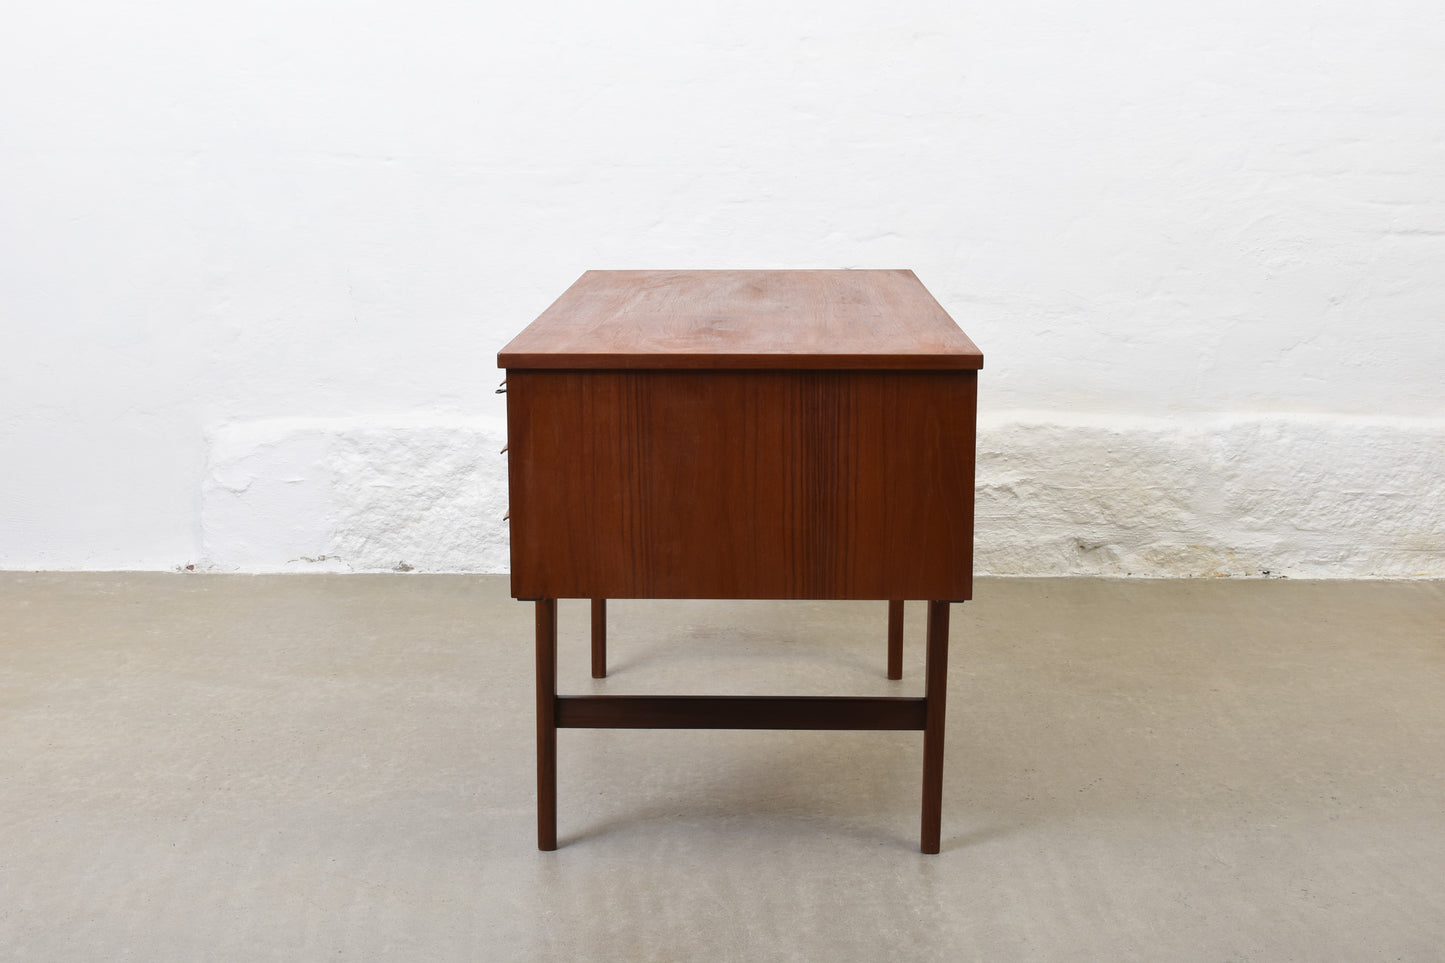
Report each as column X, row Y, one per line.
column 689, row 361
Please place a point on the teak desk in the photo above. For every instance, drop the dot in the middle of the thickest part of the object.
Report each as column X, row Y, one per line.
column 742, row 435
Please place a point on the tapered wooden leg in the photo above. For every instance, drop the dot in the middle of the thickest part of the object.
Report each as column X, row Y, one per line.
column 547, row 724
column 599, row 638
column 895, row 639
column 935, row 694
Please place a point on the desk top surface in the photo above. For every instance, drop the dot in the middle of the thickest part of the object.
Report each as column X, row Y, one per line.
column 744, row 319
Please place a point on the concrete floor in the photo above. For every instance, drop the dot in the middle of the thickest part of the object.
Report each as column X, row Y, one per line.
column 297, row 767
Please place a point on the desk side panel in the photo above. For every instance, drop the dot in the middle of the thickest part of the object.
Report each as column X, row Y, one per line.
column 756, row 484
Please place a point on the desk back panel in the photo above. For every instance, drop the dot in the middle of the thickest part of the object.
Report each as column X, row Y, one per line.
column 742, row 484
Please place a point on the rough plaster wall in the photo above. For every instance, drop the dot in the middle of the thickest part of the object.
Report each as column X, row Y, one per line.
column 1199, row 245
column 1304, row 496
column 356, row 495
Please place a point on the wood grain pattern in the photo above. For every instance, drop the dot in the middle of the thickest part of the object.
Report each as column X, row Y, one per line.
column 935, row 697
column 895, row 639
column 546, row 617
column 744, row 319
column 599, row 638
column 740, row 712
column 730, row 484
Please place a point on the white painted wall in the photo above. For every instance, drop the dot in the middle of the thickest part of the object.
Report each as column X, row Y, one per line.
column 256, row 259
